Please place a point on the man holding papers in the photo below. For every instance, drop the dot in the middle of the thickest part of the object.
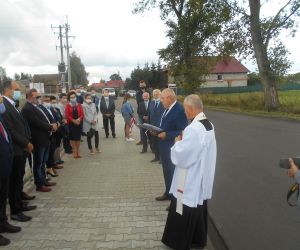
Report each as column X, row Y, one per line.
column 195, row 158
column 173, row 121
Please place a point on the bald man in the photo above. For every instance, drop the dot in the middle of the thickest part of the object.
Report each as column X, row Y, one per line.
column 173, row 121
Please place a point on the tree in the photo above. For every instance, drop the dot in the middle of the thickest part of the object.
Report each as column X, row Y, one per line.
column 115, row 77
column 258, row 36
column 194, row 31
column 78, row 73
column 17, row 77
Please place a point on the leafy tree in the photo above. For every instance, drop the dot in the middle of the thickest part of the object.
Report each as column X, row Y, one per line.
column 194, row 30
column 17, row 77
column 258, row 35
column 78, row 73
column 115, row 76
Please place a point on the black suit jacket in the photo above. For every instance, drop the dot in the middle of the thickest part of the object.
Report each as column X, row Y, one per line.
column 142, row 111
column 17, row 127
column 6, row 152
column 39, row 126
column 111, row 106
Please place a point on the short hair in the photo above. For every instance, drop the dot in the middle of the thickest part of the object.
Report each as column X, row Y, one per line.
column 170, row 93
column 7, row 84
column 142, row 81
column 156, row 91
column 87, row 95
column 29, row 93
column 61, row 95
column 69, row 94
column 194, row 101
column 52, row 97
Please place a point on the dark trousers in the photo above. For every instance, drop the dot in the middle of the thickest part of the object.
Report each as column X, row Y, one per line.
column 50, row 161
column 67, row 146
column 154, row 146
column 168, row 171
column 110, row 120
column 89, row 140
column 144, row 139
column 16, row 184
column 40, row 157
column 3, row 197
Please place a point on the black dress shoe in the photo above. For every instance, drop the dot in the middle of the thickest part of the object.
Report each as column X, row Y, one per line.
column 25, row 203
column 168, row 208
column 143, row 152
column 27, row 197
column 162, row 198
column 28, row 208
column 155, row 160
column 61, row 162
column 8, row 228
column 4, row 241
column 20, row 217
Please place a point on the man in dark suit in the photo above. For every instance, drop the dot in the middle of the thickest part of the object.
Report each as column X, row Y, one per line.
column 41, row 130
column 173, row 122
column 139, row 99
column 20, row 133
column 142, row 111
column 95, row 99
column 50, row 113
column 156, row 110
column 107, row 108
column 6, row 159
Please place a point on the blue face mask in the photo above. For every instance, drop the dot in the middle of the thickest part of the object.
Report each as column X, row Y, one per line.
column 2, row 108
column 17, row 95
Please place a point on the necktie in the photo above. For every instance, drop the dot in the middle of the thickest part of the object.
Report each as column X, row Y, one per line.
column 163, row 116
column 2, row 132
column 156, row 105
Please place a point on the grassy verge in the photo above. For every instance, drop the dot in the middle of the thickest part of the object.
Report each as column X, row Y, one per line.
column 253, row 103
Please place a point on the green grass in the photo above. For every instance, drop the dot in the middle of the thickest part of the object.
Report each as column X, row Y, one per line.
column 253, row 103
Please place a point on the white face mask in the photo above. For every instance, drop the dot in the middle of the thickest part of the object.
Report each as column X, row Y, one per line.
column 88, row 101
column 39, row 101
column 47, row 105
column 73, row 100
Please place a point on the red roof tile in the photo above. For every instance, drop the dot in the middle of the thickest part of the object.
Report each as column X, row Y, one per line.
column 229, row 65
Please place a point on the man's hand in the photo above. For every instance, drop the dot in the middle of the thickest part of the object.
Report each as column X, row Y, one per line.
column 54, row 127
column 29, row 148
column 293, row 169
column 108, row 115
column 162, row 135
column 178, row 138
column 145, row 118
column 94, row 123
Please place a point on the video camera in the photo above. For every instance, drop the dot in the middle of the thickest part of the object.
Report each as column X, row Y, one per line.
column 285, row 163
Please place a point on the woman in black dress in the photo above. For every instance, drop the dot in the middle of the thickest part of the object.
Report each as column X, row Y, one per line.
column 74, row 116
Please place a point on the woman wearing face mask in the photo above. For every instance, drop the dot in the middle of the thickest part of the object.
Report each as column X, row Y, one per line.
column 90, row 122
column 74, row 115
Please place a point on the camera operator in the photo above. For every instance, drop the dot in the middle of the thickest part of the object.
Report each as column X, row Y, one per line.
column 295, row 173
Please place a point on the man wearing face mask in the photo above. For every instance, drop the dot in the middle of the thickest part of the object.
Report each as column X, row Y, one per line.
column 139, row 99
column 49, row 112
column 79, row 96
column 20, row 132
column 95, row 99
column 41, row 130
column 6, row 159
column 107, row 108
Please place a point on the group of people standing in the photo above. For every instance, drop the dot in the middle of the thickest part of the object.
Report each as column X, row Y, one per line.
column 35, row 134
column 186, row 148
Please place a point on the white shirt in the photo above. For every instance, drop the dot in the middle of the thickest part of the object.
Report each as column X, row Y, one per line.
column 11, row 102
column 166, row 112
column 196, row 153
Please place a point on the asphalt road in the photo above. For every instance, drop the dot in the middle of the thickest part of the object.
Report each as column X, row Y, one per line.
column 248, row 205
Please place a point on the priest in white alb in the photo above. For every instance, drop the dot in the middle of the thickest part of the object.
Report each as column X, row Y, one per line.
column 194, row 155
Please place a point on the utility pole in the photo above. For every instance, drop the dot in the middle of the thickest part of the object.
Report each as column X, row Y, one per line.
column 67, row 27
column 61, row 65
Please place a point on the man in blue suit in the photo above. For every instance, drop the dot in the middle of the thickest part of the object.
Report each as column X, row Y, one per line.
column 173, row 122
column 6, row 161
column 155, row 112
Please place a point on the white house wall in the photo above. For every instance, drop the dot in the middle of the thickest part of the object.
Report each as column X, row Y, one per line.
column 229, row 80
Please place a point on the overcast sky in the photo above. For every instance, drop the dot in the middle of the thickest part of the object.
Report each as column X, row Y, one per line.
column 109, row 38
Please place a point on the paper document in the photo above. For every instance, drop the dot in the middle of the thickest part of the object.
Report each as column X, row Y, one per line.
column 150, row 127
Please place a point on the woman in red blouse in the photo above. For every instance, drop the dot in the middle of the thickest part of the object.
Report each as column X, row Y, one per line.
column 74, row 116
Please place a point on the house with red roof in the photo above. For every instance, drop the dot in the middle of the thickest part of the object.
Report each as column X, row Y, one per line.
column 225, row 72
column 117, row 84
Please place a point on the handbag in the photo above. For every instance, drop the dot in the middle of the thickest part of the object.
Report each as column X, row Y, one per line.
column 91, row 132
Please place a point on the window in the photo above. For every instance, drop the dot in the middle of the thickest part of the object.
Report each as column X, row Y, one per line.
column 220, row 77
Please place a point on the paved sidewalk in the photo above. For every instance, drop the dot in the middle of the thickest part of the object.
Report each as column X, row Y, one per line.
column 103, row 201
